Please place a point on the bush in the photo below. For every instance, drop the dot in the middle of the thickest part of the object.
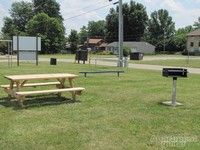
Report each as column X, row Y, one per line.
column 195, row 53
column 104, row 53
column 126, row 51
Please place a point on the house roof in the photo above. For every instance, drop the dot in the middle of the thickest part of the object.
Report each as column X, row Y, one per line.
column 103, row 45
column 94, row 41
column 195, row 32
column 130, row 44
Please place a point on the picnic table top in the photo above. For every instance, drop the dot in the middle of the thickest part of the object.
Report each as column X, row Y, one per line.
column 40, row 76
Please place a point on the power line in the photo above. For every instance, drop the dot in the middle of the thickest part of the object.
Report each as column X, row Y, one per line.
column 84, row 8
column 90, row 11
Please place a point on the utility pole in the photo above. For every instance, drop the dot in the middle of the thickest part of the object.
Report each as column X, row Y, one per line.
column 120, row 38
column 120, row 34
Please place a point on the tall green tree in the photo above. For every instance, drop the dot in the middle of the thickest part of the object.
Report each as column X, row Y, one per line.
column 50, row 30
column 111, row 26
column 20, row 14
column 96, row 28
column 49, row 7
column 134, row 22
column 73, row 40
column 83, row 35
column 53, row 35
column 161, row 29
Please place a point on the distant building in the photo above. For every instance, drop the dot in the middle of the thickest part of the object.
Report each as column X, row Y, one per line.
column 142, row 47
column 96, row 45
column 193, row 41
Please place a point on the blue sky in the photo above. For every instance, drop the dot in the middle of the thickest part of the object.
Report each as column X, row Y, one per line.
column 183, row 12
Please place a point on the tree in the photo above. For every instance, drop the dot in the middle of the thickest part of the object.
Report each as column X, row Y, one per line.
column 83, row 35
column 49, row 7
column 73, row 40
column 179, row 39
column 21, row 13
column 160, row 29
column 111, row 26
column 188, row 29
column 50, row 30
column 134, row 19
column 197, row 24
column 43, row 19
column 96, row 29
column 3, row 46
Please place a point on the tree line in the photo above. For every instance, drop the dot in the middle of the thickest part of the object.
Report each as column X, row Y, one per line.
column 43, row 18
column 39, row 18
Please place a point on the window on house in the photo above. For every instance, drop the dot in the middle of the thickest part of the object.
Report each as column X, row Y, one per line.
column 199, row 43
column 192, row 44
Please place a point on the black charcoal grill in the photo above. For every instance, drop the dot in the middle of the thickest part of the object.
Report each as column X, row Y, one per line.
column 174, row 72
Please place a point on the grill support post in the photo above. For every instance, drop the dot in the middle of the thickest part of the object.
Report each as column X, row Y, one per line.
column 174, row 91
column 173, row 101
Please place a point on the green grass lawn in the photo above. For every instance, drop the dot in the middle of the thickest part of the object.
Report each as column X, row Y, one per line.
column 114, row 113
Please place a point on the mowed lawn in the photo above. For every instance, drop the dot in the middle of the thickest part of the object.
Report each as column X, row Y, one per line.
column 113, row 113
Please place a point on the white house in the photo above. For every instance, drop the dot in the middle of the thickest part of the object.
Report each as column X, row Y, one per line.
column 193, row 41
column 142, row 47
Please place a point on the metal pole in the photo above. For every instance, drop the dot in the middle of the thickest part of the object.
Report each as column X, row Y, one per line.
column 8, row 55
column 174, row 91
column 11, row 46
column 120, row 58
column 164, row 41
column 36, row 50
column 17, row 50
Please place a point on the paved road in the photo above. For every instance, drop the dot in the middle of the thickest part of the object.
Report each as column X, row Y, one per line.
column 149, row 67
column 131, row 65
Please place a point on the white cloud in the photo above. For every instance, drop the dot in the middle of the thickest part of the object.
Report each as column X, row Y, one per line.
column 187, row 17
column 173, row 5
column 193, row 1
column 183, row 12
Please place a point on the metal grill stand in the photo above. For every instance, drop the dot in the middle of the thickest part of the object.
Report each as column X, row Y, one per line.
column 174, row 73
column 173, row 102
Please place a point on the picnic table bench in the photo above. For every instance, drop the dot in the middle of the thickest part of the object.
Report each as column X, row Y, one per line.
column 105, row 71
column 17, row 82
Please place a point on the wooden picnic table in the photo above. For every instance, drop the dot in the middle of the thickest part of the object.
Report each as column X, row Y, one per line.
column 17, row 82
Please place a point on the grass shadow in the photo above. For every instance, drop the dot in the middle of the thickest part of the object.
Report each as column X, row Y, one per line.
column 36, row 101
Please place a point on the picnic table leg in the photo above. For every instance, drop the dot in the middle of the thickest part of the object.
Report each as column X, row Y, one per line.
column 11, row 87
column 20, row 101
column 17, row 86
column 62, row 85
column 72, row 85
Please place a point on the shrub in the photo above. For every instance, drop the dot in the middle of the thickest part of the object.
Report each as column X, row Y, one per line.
column 104, row 53
column 126, row 51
